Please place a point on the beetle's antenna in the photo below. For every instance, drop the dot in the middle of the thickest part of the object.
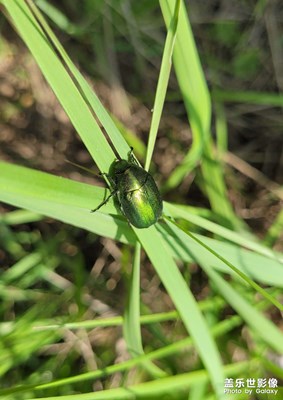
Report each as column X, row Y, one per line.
column 81, row 167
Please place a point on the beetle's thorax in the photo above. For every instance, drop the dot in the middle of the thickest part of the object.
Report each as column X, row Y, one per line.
column 117, row 169
column 133, row 178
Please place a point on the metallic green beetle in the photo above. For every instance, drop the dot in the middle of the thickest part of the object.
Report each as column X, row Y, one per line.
column 136, row 191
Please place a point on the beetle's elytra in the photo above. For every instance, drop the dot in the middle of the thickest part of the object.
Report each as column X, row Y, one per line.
column 136, row 191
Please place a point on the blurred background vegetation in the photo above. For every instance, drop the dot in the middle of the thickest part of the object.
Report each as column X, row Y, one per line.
column 118, row 46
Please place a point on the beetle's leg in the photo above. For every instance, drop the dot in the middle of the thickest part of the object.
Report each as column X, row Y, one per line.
column 130, row 153
column 104, row 202
column 104, row 174
column 131, row 157
column 111, row 181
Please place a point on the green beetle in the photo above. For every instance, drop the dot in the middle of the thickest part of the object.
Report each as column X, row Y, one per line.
column 136, row 191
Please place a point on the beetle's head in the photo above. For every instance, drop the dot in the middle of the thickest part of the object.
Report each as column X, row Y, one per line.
column 118, row 167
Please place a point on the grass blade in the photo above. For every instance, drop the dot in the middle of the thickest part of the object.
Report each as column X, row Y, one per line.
column 162, row 82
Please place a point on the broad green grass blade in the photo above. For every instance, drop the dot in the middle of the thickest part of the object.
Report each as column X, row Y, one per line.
column 162, row 82
column 71, row 202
